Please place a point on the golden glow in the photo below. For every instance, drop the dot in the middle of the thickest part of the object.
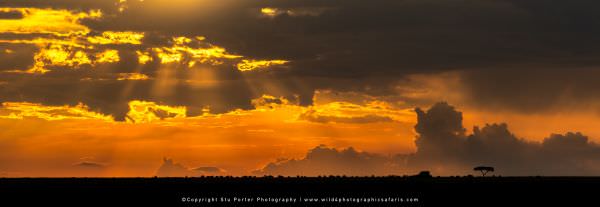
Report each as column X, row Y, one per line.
column 71, row 44
column 111, row 37
column 122, row 5
column 206, row 54
column 43, row 42
column 269, row 102
column 168, row 56
column 336, row 111
column 248, row 65
column 132, row 76
column 21, row 110
column 70, row 34
column 146, row 112
column 181, row 40
column 372, row 111
column 143, row 57
column 58, row 55
column 238, row 141
column 108, row 56
column 47, row 21
column 294, row 12
column 270, row 12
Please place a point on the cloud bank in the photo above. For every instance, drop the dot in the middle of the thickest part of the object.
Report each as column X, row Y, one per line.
column 445, row 148
column 171, row 169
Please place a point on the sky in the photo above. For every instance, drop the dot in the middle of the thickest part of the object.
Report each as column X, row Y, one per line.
column 129, row 88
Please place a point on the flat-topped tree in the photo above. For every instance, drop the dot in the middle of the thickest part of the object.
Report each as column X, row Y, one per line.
column 484, row 169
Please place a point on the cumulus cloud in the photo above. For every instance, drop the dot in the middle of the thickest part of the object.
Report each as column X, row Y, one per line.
column 323, row 160
column 143, row 112
column 445, row 148
column 171, row 169
column 443, row 145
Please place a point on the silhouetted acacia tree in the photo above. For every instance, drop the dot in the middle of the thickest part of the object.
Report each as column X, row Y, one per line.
column 483, row 169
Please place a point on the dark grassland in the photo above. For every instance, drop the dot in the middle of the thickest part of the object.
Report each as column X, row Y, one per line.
column 429, row 191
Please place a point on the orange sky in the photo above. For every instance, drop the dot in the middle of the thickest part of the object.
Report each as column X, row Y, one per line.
column 238, row 141
column 41, row 138
column 49, row 141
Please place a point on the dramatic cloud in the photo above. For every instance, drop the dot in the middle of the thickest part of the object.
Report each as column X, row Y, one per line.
column 311, row 71
column 443, row 146
column 191, row 53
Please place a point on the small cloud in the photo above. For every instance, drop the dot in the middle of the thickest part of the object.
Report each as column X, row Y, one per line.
column 90, row 165
column 145, row 112
column 171, row 169
column 132, row 76
column 209, row 170
column 323, row 160
column 273, row 12
column 312, row 116
column 248, row 65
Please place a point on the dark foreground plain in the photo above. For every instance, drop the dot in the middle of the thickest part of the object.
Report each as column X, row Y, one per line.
column 302, row 191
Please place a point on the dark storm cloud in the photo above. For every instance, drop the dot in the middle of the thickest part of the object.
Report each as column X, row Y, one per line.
column 443, row 144
column 387, row 37
column 110, row 96
column 444, row 147
column 346, row 46
column 533, row 91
